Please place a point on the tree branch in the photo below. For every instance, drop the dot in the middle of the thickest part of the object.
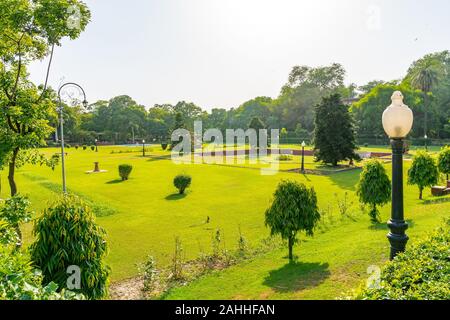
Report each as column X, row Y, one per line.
column 19, row 69
column 11, row 125
column 47, row 75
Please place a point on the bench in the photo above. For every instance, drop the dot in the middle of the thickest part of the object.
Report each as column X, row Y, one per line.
column 439, row 191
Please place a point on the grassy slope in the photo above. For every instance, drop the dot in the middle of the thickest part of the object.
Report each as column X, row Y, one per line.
column 328, row 266
column 148, row 216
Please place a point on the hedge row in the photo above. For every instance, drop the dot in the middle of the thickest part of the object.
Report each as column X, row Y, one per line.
column 421, row 273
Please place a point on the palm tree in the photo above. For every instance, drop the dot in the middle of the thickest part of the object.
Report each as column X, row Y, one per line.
column 424, row 77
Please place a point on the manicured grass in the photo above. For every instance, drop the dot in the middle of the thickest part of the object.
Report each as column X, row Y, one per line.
column 329, row 265
column 144, row 214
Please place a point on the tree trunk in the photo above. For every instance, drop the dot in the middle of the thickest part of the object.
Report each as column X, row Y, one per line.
column 421, row 194
column 291, row 244
column 12, row 171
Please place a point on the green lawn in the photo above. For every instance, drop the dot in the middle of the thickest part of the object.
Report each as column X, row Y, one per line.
column 143, row 216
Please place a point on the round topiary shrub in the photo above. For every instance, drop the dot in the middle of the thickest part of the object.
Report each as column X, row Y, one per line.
column 76, row 147
column 92, row 148
column 125, row 170
column 284, row 157
column 70, row 244
column 164, row 146
column 182, row 182
column 84, row 147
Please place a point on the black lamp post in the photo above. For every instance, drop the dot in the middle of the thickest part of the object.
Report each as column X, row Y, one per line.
column 397, row 122
column 96, row 145
column 61, row 122
column 303, row 157
column 143, row 148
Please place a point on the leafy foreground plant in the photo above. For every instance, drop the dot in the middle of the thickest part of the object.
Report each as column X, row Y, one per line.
column 422, row 272
column 294, row 209
column 67, row 235
column 19, row 281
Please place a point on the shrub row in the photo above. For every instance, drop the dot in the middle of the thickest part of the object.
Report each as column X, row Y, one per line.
column 421, row 273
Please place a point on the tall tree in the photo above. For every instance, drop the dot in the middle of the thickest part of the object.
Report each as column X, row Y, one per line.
column 29, row 31
column 368, row 110
column 256, row 124
column 334, row 134
column 424, row 76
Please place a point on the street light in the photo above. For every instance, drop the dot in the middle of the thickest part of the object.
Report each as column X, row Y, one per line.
column 303, row 157
column 426, row 142
column 96, row 145
column 397, row 122
column 143, row 148
column 61, row 121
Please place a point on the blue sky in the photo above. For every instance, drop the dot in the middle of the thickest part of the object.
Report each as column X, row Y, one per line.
column 222, row 53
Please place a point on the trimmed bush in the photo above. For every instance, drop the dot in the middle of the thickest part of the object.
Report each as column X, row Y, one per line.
column 444, row 161
column 182, row 182
column 284, row 157
column 374, row 187
column 84, row 147
column 164, row 146
column 93, row 148
column 423, row 172
column 67, row 235
column 421, row 273
column 76, row 147
column 125, row 171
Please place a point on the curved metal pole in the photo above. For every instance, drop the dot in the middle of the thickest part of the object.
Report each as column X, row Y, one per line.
column 61, row 120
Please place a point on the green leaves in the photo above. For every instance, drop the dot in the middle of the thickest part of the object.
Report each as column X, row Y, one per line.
column 124, row 171
column 67, row 235
column 181, row 182
column 374, row 187
column 334, row 135
column 294, row 208
column 444, row 160
column 16, row 210
column 19, row 281
column 423, row 172
column 421, row 273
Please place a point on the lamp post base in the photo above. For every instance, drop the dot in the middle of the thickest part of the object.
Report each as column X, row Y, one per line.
column 397, row 237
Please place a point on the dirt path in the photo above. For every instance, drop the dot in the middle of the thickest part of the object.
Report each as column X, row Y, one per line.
column 130, row 289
